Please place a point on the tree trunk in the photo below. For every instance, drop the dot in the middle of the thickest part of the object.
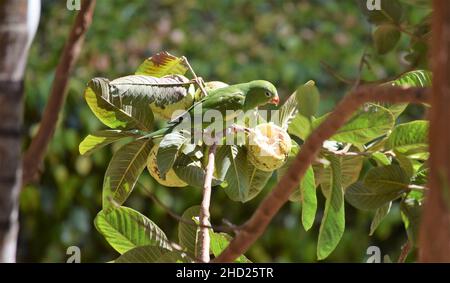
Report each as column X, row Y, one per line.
column 18, row 23
column 435, row 226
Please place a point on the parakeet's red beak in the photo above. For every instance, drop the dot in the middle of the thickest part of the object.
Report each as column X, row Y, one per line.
column 275, row 100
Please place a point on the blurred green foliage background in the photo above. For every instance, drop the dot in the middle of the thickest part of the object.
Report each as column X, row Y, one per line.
column 232, row 41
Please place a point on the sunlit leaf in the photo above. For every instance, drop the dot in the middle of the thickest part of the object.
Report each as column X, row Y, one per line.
column 142, row 254
column 100, row 139
column 123, row 171
column 369, row 123
column 416, row 78
column 99, row 99
column 288, row 111
column 219, row 242
column 125, row 228
column 300, row 126
column 421, row 176
column 380, row 158
column 409, row 138
column 162, row 64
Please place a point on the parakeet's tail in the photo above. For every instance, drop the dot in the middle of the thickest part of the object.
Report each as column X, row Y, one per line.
column 167, row 129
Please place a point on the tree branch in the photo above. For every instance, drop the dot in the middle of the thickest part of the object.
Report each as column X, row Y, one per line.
column 406, row 248
column 257, row 224
column 204, row 238
column 34, row 156
column 434, row 231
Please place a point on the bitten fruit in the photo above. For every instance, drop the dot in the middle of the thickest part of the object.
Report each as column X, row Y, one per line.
column 268, row 147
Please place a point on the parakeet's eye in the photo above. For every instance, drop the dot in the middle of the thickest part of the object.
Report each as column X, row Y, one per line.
column 268, row 94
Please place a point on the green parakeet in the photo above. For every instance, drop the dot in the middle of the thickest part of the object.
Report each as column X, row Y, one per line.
column 239, row 97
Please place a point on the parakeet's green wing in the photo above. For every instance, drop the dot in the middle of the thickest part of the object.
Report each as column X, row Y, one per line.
column 222, row 103
column 219, row 100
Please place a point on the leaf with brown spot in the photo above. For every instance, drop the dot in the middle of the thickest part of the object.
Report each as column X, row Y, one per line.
column 162, row 64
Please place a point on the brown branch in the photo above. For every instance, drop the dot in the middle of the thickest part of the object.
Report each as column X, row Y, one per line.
column 34, row 156
column 203, row 236
column 257, row 224
column 335, row 74
column 406, row 248
column 434, row 231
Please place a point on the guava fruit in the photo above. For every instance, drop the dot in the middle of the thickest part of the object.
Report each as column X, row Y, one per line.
column 171, row 180
column 268, row 147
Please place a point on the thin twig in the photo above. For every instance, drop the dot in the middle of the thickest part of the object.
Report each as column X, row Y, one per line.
column 228, row 227
column 335, row 74
column 350, row 153
column 34, row 156
column 404, row 30
column 362, row 62
column 203, row 236
column 348, row 81
column 417, row 188
column 406, row 248
column 257, row 224
column 198, row 80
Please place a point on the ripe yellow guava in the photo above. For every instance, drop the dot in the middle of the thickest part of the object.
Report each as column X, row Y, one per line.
column 171, row 180
column 268, row 147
